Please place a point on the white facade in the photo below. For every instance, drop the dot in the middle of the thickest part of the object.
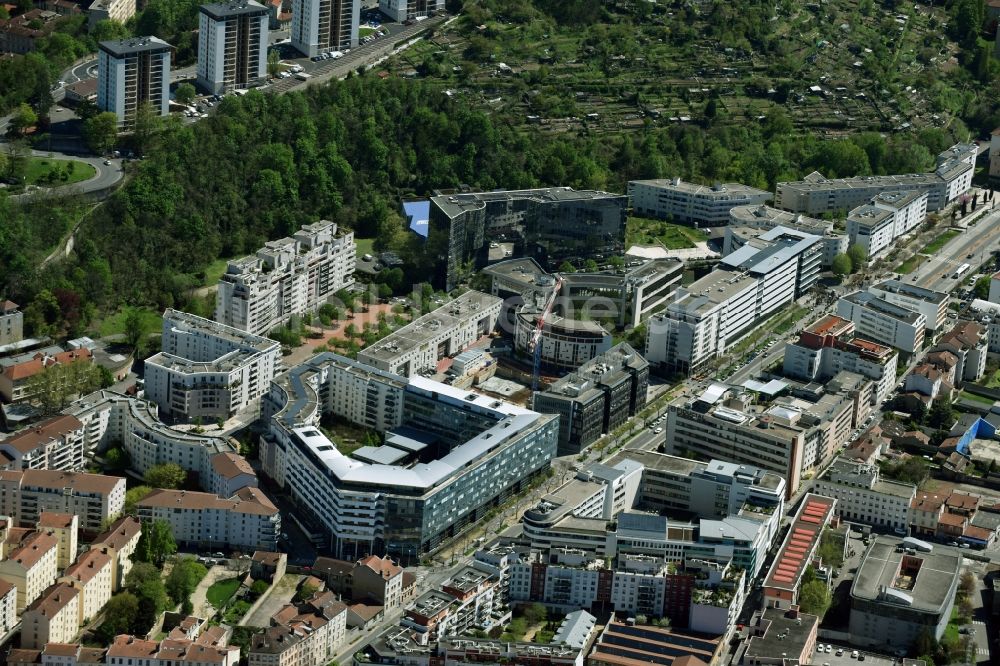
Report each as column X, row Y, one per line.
column 690, row 203
column 248, row 520
column 91, row 574
column 132, row 72
column 232, row 45
column 816, row 194
column 876, row 225
column 748, row 222
column 95, row 498
column 401, row 10
column 933, row 305
column 53, row 618
column 325, row 25
column 287, row 277
column 207, row 369
column 865, row 498
column 883, row 322
column 445, row 332
column 8, row 607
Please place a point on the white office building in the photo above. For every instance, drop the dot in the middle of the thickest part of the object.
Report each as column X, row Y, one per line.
column 883, row 322
column 863, row 497
column 876, row 225
column 209, row 370
column 232, row 45
column 132, row 72
column 816, row 194
column 319, row 26
column 829, row 346
column 713, row 313
column 933, row 305
column 287, row 277
column 688, row 203
column 747, row 223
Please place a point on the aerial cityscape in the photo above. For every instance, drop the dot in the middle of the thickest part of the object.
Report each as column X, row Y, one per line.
column 506, row 332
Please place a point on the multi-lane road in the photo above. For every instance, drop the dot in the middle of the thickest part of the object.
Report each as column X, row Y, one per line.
column 972, row 246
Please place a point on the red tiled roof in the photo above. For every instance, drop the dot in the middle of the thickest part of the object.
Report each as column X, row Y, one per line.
column 35, row 365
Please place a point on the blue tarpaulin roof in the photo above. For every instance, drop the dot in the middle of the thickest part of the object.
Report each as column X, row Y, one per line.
column 418, row 215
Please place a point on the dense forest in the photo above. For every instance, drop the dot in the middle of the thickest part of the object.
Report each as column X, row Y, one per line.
column 265, row 164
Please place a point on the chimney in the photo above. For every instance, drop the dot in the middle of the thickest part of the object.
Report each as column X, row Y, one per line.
column 793, row 612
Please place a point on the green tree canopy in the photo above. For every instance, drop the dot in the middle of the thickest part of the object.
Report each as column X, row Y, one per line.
column 101, row 132
column 184, row 577
column 156, row 543
column 185, row 93
column 858, row 257
column 842, row 265
column 814, row 598
column 165, row 475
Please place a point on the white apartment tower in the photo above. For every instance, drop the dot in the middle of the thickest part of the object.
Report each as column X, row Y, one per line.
column 286, row 277
column 232, row 45
column 131, row 72
column 401, row 10
column 325, row 25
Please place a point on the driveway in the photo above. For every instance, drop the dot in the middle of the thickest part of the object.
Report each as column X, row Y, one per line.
column 277, row 596
column 200, row 605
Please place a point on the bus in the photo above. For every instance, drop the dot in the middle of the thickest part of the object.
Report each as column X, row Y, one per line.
column 960, row 271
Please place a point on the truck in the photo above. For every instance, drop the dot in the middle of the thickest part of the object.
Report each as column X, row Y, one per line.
column 917, row 544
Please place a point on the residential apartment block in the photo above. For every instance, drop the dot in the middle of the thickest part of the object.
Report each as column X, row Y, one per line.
column 232, row 45
column 31, row 567
column 863, row 497
column 689, row 203
column 722, row 423
column 208, row 370
column 131, row 73
column 65, row 527
column 439, row 334
column 302, row 635
column 876, row 225
column 91, row 574
column 56, row 443
column 207, row 647
column 598, row 398
column 816, row 194
column 881, row 321
column 749, row 222
column 829, row 346
column 108, row 417
column 372, row 580
column 247, row 520
column 968, row 343
column 552, row 225
column 93, row 498
column 119, row 542
column 52, row 618
column 319, row 26
column 287, row 277
column 110, row 10
column 449, row 456
column 933, row 305
column 11, row 323
column 402, row 10
column 8, row 606
column 16, row 380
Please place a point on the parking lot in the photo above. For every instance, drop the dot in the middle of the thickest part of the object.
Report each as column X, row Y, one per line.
column 832, row 659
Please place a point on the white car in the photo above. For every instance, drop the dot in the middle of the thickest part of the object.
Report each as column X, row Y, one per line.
column 658, row 431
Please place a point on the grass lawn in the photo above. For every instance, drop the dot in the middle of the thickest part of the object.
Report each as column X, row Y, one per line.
column 939, row 242
column 39, row 170
column 364, row 246
column 115, row 324
column 644, row 231
column 222, row 591
column 214, row 271
column 976, row 398
column 911, row 264
column 364, row 32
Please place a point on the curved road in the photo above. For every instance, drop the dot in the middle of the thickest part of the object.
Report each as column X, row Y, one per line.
column 106, row 176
